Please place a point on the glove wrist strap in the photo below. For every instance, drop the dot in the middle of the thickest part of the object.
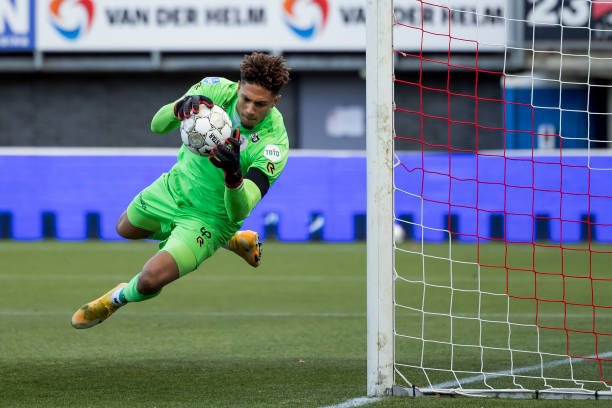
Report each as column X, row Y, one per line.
column 233, row 180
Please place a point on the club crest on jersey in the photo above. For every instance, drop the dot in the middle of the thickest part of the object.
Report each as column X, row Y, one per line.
column 254, row 137
column 211, row 80
column 273, row 153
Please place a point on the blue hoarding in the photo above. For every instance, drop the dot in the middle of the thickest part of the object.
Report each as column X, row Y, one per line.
column 17, row 25
column 486, row 196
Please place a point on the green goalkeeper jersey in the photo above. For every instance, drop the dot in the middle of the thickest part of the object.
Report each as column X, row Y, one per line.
column 193, row 180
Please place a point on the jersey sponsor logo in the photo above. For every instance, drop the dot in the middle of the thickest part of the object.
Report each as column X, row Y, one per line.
column 71, row 19
column 273, row 153
column 211, row 80
column 307, row 19
column 270, row 167
column 254, row 137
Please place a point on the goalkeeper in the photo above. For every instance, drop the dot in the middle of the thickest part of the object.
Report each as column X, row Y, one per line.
column 200, row 204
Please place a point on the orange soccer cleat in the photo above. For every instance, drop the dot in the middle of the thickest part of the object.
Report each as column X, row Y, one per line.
column 96, row 311
column 246, row 244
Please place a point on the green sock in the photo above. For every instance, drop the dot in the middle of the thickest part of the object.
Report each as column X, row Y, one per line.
column 131, row 294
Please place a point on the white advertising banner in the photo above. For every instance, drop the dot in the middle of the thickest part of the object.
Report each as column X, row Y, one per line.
column 239, row 25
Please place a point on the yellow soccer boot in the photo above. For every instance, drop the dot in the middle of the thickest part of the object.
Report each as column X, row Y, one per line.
column 246, row 244
column 96, row 311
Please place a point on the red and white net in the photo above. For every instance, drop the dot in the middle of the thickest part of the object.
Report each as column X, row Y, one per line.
column 503, row 194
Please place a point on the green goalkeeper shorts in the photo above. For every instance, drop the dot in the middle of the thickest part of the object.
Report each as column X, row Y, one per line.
column 186, row 233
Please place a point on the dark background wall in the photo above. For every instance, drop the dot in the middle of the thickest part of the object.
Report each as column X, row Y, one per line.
column 112, row 110
column 333, row 111
column 451, row 105
column 115, row 109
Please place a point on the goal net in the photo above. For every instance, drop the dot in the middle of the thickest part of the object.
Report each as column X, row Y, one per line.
column 488, row 142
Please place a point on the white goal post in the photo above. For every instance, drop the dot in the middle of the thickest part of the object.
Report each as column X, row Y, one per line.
column 379, row 146
column 489, row 148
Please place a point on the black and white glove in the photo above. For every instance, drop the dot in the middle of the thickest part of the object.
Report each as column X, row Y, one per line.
column 227, row 157
column 191, row 103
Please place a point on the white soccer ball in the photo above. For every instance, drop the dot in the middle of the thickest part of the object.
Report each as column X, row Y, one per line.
column 399, row 235
column 206, row 129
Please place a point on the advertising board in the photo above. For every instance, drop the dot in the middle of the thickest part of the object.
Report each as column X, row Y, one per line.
column 16, row 25
column 573, row 22
column 276, row 25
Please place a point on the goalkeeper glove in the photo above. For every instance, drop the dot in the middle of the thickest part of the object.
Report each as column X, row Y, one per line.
column 184, row 107
column 227, row 157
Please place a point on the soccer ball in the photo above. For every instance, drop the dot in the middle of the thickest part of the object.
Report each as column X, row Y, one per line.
column 205, row 129
column 399, row 235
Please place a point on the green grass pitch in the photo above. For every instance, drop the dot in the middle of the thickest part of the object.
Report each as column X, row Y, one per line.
column 288, row 334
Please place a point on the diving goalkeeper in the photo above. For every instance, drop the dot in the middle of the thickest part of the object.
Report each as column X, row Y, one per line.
column 199, row 205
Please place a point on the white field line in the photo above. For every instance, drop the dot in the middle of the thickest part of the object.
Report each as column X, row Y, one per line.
column 520, row 370
column 203, row 276
column 26, row 313
column 529, row 315
column 8, row 312
column 600, row 315
column 355, row 402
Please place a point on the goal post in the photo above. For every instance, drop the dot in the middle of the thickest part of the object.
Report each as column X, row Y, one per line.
column 489, row 230
column 379, row 147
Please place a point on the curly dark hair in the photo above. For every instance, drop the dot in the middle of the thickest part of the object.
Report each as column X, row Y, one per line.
column 264, row 70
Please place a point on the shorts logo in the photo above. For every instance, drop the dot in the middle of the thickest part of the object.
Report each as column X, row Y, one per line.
column 254, row 137
column 204, row 233
column 270, row 167
column 142, row 202
column 273, row 153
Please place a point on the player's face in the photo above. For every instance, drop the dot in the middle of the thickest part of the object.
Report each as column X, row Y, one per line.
column 254, row 103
